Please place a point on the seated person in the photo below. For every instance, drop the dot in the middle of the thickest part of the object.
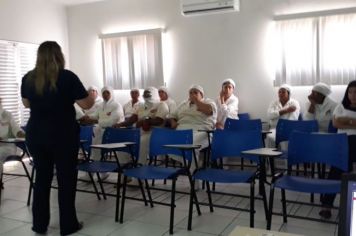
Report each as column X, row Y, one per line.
column 82, row 115
column 283, row 108
column 148, row 114
column 227, row 103
column 8, row 129
column 320, row 106
column 196, row 113
column 164, row 97
column 133, row 104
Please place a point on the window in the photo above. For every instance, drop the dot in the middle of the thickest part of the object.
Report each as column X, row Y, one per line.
column 316, row 49
column 133, row 59
column 16, row 59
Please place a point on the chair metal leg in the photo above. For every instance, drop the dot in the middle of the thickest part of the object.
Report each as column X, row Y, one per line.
column 284, row 205
column 252, row 204
column 123, row 196
column 209, row 196
column 118, row 187
column 173, row 194
column 142, row 191
column 94, row 185
column 264, row 199
column 148, row 193
column 270, row 210
column 190, row 216
column 194, row 193
column 25, row 168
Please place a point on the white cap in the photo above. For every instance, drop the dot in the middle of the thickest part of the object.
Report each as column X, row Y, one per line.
column 92, row 87
column 164, row 89
column 135, row 89
column 197, row 87
column 286, row 87
column 322, row 88
column 230, row 81
column 109, row 89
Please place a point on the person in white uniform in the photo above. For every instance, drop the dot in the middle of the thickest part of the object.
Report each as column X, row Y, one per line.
column 196, row 113
column 320, row 106
column 164, row 97
column 227, row 103
column 344, row 119
column 131, row 106
column 8, row 129
column 151, row 113
column 82, row 115
column 283, row 108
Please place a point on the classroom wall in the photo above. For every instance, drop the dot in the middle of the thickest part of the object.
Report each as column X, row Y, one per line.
column 198, row 49
column 34, row 21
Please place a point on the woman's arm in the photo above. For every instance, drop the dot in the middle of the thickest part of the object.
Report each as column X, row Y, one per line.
column 26, row 102
column 85, row 103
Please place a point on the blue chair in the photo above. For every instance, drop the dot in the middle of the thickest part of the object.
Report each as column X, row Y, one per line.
column 243, row 125
column 331, row 128
column 244, row 116
column 230, row 144
column 86, row 138
column 112, row 135
column 328, row 149
column 160, row 137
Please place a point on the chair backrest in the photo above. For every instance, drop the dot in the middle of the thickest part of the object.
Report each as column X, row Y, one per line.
column 243, row 116
column 243, row 125
column 329, row 149
column 114, row 135
column 86, row 133
column 227, row 143
column 286, row 127
column 331, row 128
column 164, row 136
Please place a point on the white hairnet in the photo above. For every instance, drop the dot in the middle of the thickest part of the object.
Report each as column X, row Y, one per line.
column 228, row 80
column 92, row 87
column 197, row 87
column 286, row 87
column 322, row 88
column 164, row 89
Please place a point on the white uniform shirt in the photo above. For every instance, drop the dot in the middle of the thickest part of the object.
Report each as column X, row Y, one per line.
column 172, row 105
column 323, row 113
column 129, row 109
column 227, row 110
column 276, row 106
column 188, row 117
column 340, row 111
column 8, row 129
column 152, row 110
column 79, row 112
column 109, row 113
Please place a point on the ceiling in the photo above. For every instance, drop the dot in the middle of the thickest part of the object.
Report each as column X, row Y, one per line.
column 75, row 2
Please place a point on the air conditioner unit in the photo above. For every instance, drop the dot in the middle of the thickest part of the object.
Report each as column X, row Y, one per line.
column 190, row 7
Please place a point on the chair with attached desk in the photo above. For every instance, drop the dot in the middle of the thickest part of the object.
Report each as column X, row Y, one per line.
column 328, row 149
column 228, row 143
column 159, row 138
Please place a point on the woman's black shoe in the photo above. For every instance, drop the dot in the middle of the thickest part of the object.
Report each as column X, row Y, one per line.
column 39, row 231
column 80, row 226
column 326, row 214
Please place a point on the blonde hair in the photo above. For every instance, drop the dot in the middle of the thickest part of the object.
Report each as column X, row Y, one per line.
column 50, row 61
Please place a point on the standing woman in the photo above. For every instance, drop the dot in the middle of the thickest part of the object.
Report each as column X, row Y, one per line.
column 53, row 134
column 345, row 121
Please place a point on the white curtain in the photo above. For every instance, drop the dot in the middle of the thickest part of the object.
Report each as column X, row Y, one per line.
column 133, row 60
column 311, row 50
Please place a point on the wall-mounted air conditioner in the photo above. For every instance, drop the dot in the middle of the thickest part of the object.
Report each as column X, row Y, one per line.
column 190, row 7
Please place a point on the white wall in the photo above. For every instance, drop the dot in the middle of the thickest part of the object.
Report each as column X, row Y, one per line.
column 201, row 49
column 33, row 21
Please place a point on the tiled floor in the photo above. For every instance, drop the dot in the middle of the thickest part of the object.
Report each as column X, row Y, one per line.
column 98, row 215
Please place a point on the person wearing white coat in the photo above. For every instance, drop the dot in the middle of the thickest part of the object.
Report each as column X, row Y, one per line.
column 196, row 113
column 283, row 108
column 8, row 129
column 151, row 113
column 82, row 115
column 131, row 106
column 164, row 97
column 320, row 106
column 227, row 103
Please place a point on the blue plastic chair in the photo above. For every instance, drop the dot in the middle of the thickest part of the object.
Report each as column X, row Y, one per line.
column 86, row 138
column 230, row 144
column 328, row 149
column 112, row 135
column 331, row 128
column 160, row 137
column 244, row 116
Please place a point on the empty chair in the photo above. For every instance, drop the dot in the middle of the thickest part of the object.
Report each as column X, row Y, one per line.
column 244, row 116
column 160, row 137
column 328, row 149
column 230, row 144
column 243, row 124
